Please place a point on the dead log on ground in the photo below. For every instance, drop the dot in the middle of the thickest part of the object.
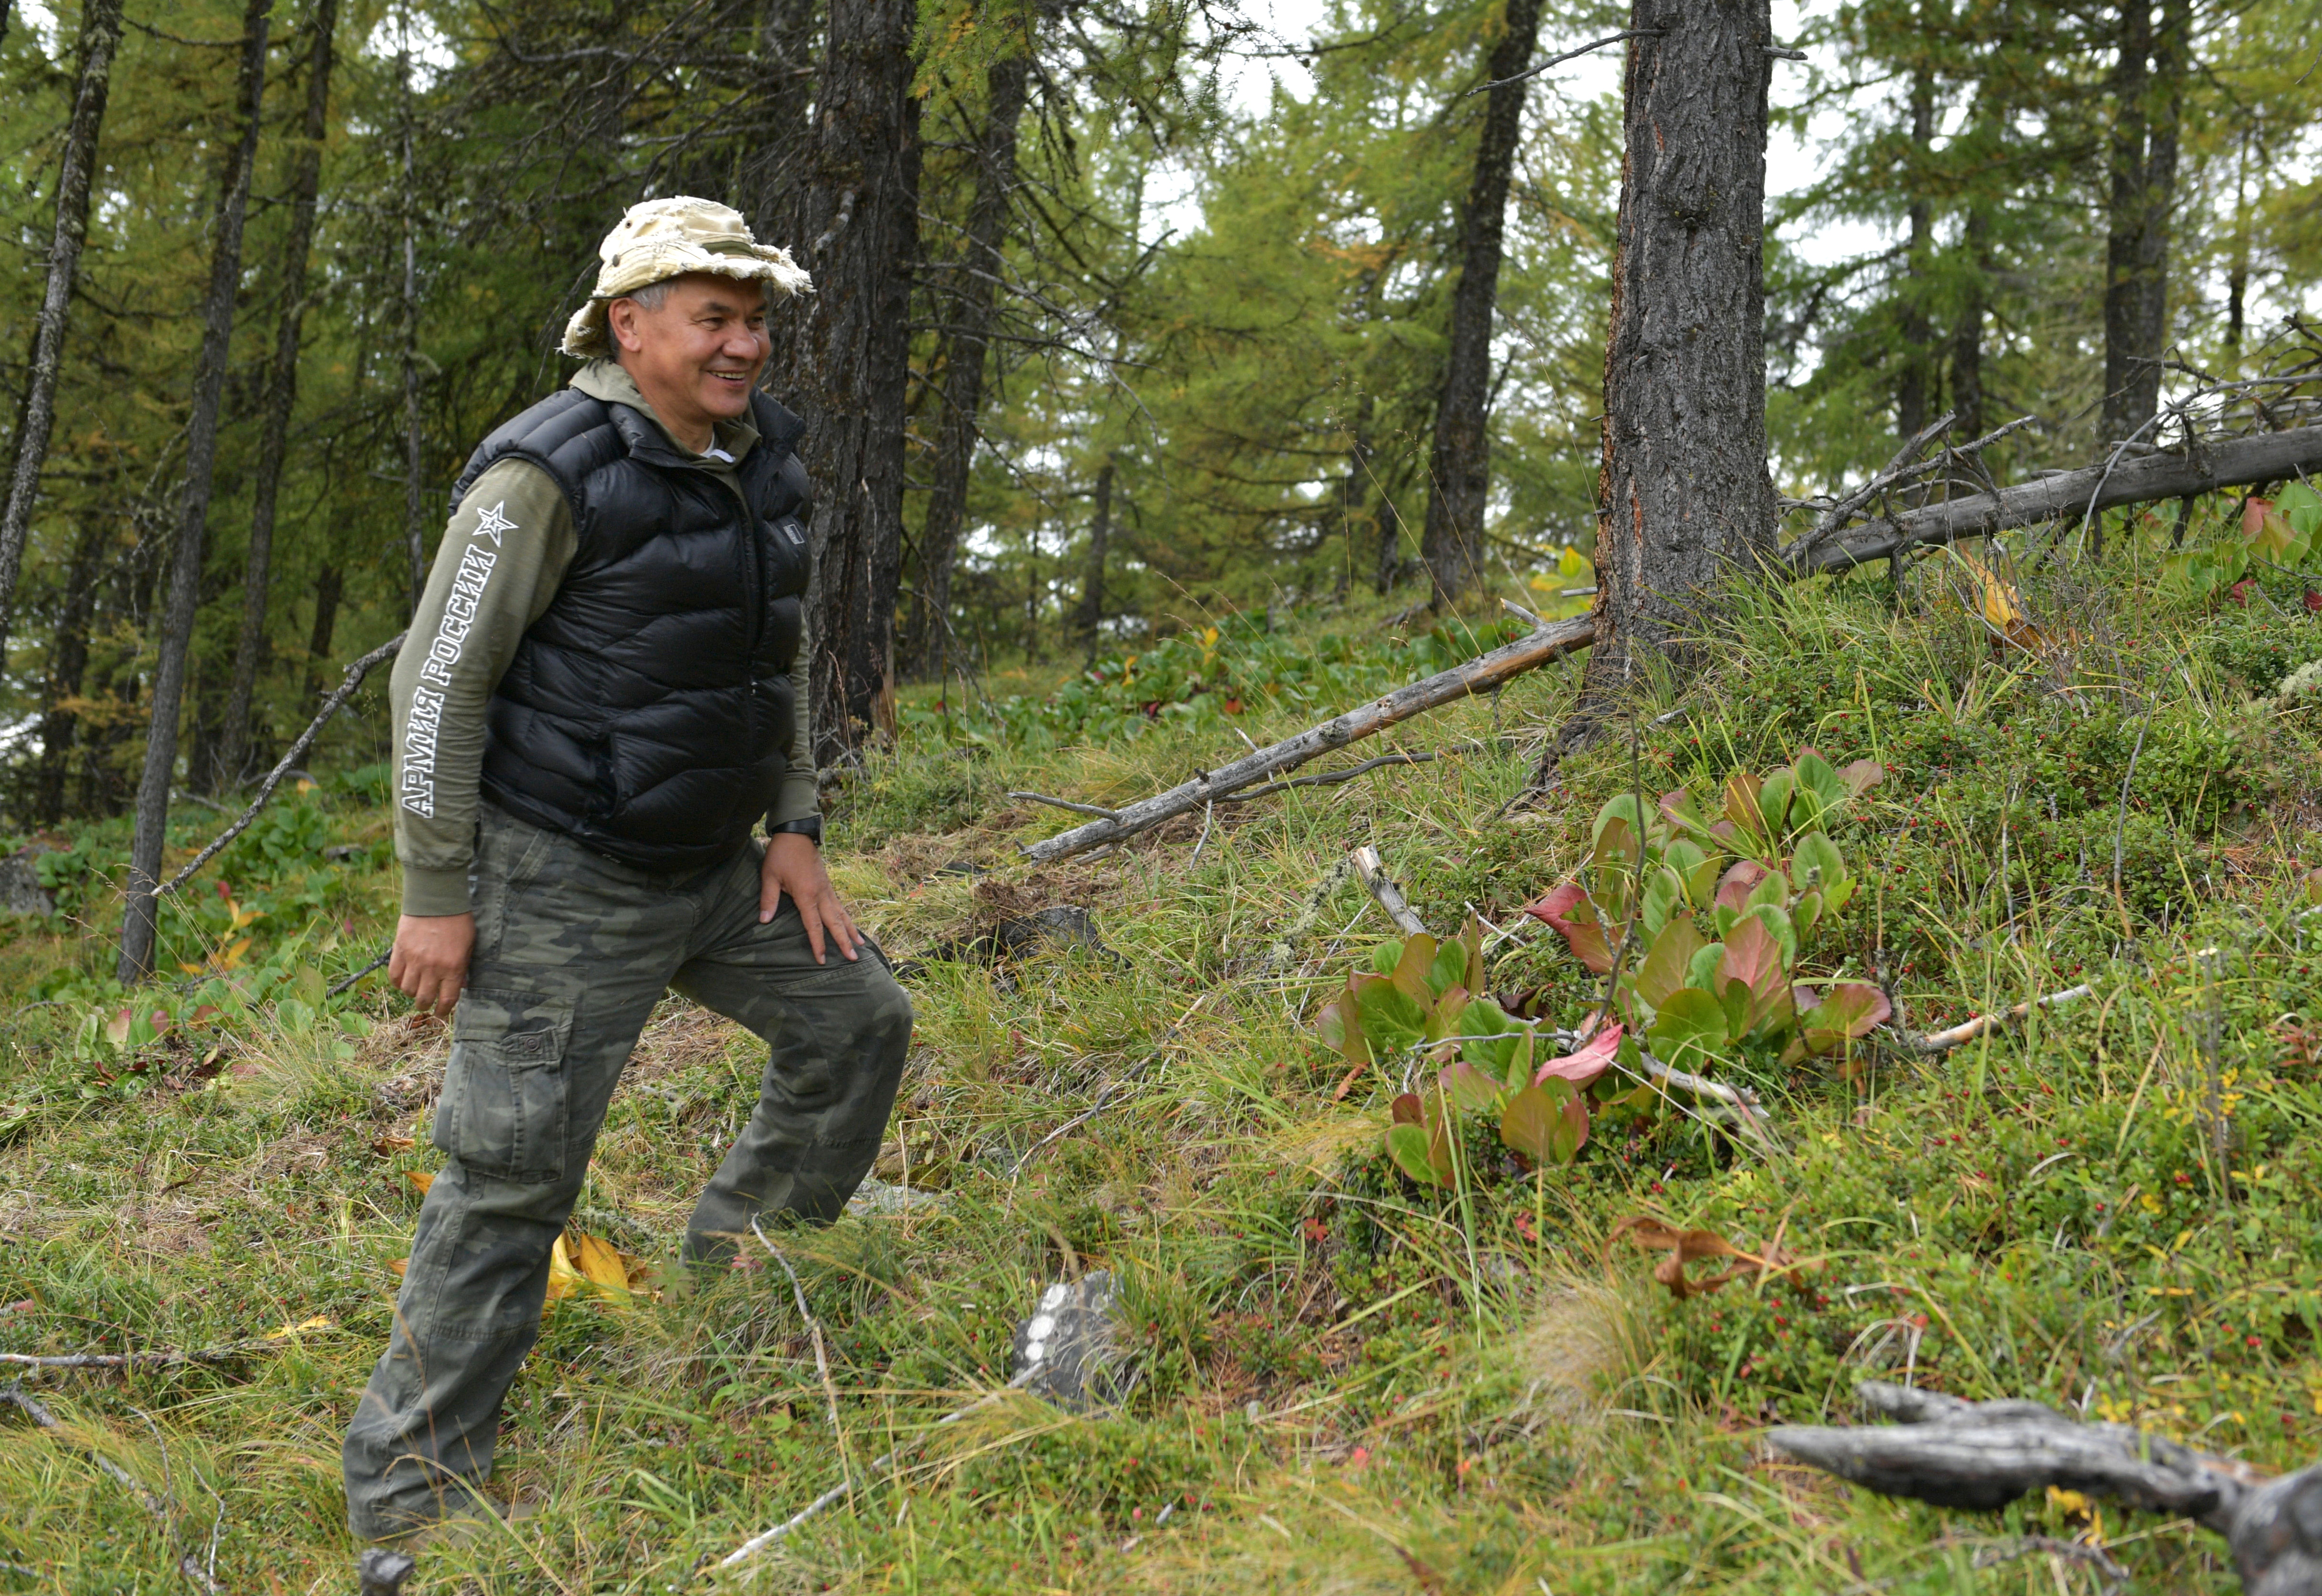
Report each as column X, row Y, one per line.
column 1958, row 1454
column 1479, row 675
column 2231, row 463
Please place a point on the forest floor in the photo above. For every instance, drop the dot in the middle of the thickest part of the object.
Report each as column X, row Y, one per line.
column 1344, row 1381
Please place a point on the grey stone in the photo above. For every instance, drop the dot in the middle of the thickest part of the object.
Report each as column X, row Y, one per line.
column 20, row 892
column 875, row 1196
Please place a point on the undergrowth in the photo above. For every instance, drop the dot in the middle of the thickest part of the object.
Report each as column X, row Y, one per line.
column 1346, row 1379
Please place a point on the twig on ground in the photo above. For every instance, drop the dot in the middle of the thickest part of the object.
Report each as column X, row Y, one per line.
column 1104, row 1100
column 161, row 1358
column 1373, row 872
column 1326, row 777
column 1970, row 1029
column 821, row 1355
column 1208, row 816
column 385, row 953
column 1057, row 803
column 288, row 761
column 15, row 1396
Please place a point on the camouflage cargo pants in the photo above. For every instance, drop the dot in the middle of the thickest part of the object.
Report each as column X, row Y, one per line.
column 573, row 952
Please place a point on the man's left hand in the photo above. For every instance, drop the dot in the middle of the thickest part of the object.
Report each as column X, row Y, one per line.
column 794, row 865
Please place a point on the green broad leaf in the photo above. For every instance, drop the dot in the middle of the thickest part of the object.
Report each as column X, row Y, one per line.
column 1449, row 969
column 1815, row 860
column 1735, row 998
column 1725, row 917
column 2302, row 507
column 1548, row 1123
column 1330, row 1024
column 1412, row 970
column 1691, row 1024
column 1407, row 1110
column 1385, row 957
column 1471, row 937
column 1407, row 1144
column 1816, row 775
column 1683, row 856
column 1494, row 1039
column 1773, row 887
column 1390, row 1021
column 1834, row 899
column 1613, row 870
column 1668, row 963
column 1805, row 912
column 1701, row 881
column 1774, row 803
column 1664, row 892
column 1700, row 970
column 1679, row 809
column 1445, row 1017
column 1619, row 810
column 1468, row 1090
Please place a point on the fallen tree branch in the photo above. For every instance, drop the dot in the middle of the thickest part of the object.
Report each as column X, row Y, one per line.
column 15, row 1396
column 1326, row 777
column 1479, row 675
column 163, row 1358
column 2231, row 463
column 1057, row 803
column 1984, row 1455
column 288, row 761
column 1968, row 1030
column 1372, row 868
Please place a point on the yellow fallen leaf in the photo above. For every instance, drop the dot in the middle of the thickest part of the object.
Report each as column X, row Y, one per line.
column 564, row 1280
column 601, row 1262
column 399, row 1265
column 317, row 1323
column 2068, row 1502
column 420, row 1180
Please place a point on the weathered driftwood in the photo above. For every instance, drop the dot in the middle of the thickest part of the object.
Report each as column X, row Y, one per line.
column 1479, row 675
column 1958, row 1454
column 1968, row 1030
column 2231, row 462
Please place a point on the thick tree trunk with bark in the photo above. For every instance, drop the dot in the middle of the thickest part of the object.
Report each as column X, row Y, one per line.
column 971, row 294
column 68, row 666
column 177, row 629
column 415, row 486
column 100, row 35
column 1918, row 353
column 1089, row 621
column 1683, row 500
column 281, row 393
column 849, row 359
column 1459, row 462
column 2148, row 93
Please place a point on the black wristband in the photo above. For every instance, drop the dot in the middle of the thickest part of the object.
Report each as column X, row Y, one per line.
column 809, row 827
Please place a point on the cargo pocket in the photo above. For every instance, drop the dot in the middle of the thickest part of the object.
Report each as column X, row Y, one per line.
column 503, row 1112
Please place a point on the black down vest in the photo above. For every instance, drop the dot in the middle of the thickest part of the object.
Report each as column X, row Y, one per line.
column 648, row 712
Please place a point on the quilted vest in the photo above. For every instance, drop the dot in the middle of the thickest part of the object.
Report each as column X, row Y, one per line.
column 647, row 713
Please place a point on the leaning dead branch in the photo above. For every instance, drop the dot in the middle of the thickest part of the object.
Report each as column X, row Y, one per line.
column 2231, row 462
column 163, row 1357
column 1372, row 868
column 1479, row 675
column 1958, row 1453
column 288, row 761
column 14, row 1395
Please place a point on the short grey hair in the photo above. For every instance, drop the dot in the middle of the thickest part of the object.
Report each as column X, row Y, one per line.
column 652, row 296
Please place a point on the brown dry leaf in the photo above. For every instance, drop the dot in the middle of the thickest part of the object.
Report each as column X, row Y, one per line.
column 1683, row 1246
column 420, row 1180
column 318, row 1322
column 387, row 1146
column 396, row 1266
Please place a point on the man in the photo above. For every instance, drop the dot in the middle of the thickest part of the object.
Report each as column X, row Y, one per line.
column 603, row 691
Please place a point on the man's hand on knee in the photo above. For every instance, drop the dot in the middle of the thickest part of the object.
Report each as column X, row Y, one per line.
column 430, row 960
column 794, row 865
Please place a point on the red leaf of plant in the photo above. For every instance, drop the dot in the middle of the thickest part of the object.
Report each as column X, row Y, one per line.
column 1734, row 887
column 1584, row 937
column 1753, row 957
column 1592, row 1059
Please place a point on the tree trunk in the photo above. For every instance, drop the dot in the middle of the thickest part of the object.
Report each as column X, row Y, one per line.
column 1459, row 462
column 100, row 33
column 1967, row 341
column 414, row 487
column 326, row 619
column 281, row 393
column 1684, row 497
column 177, row 629
column 972, row 295
column 1918, row 362
column 850, row 360
column 68, row 667
column 1090, row 622
column 2148, row 90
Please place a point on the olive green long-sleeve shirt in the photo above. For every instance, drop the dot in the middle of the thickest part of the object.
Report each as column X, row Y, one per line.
column 504, row 555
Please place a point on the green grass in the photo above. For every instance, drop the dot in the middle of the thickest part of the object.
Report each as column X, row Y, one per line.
column 1346, row 1383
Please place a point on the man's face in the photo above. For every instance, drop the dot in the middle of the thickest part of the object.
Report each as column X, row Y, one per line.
column 699, row 354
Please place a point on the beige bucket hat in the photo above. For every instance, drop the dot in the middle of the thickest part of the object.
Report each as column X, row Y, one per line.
column 665, row 238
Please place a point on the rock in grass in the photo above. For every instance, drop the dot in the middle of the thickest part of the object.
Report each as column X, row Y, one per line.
column 1071, row 1350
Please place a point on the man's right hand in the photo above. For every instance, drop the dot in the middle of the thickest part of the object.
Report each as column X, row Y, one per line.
column 430, row 962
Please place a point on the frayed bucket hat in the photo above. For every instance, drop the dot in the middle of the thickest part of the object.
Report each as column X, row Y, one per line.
column 661, row 239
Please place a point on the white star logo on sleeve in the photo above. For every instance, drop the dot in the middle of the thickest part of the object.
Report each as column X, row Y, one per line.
column 490, row 523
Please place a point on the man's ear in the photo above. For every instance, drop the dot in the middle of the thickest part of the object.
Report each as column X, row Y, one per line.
column 621, row 316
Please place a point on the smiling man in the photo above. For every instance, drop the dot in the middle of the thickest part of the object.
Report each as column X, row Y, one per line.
column 603, row 694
